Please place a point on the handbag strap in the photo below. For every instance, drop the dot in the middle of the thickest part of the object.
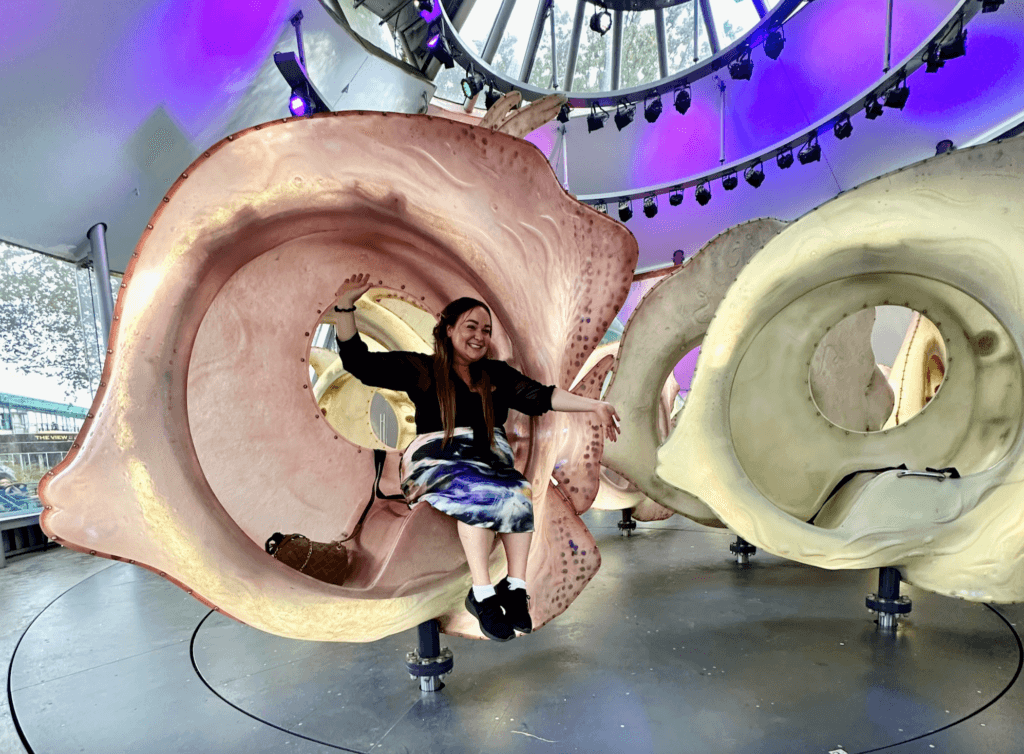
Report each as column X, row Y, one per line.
column 378, row 464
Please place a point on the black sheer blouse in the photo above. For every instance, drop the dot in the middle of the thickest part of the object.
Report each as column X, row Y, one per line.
column 413, row 373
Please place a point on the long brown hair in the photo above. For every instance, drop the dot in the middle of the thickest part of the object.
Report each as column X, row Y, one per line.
column 444, row 360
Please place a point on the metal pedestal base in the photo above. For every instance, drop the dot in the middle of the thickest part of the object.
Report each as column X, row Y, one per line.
column 627, row 524
column 742, row 549
column 887, row 602
column 429, row 663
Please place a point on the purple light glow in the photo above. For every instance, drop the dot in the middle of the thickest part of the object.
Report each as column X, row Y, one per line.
column 297, row 105
column 432, row 15
column 433, row 40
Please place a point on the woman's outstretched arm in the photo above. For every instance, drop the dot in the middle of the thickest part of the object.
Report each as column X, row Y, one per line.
column 563, row 400
column 349, row 292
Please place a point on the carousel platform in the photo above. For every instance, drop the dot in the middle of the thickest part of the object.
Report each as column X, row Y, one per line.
column 672, row 648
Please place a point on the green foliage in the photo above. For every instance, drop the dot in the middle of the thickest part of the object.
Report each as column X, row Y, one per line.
column 41, row 329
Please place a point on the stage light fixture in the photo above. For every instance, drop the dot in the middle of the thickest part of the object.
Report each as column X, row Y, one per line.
column 946, row 145
column 624, row 114
column 702, row 194
column 563, row 113
column 473, row 84
column 491, row 97
column 650, row 206
column 896, row 95
column 933, row 59
column 683, row 99
column 652, row 109
column 730, row 181
column 742, row 67
column 625, row 209
column 784, row 159
column 872, row 108
column 957, row 48
column 601, row 22
column 810, row 152
column 774, row 43
column 424, row 6
column 298, row 105
column 990, row 6
column 754, row 175
column 601, row 207
column 596, row 119
column 437, row 46
column 676, row 198
column 843, row 128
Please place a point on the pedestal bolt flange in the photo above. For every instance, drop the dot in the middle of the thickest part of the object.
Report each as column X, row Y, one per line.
column 887, row 602
column 429, row 663
column 742, row 549
column 627, row 524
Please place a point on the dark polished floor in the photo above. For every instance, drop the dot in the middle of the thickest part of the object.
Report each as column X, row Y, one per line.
column 672, row 648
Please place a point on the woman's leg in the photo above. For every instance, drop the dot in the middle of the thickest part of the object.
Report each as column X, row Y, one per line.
column 517, row 550
column 477, row 541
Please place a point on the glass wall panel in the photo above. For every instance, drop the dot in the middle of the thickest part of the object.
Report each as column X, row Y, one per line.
column 477, row 28
column 593, row 61
column 639, row 50
column 367, row 24
column 509, row 58
column 541, row 74
column 733, row 18
column 679, row 34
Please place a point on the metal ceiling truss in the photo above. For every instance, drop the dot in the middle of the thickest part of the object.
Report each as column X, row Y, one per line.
column 958, row 18
column 466, row 57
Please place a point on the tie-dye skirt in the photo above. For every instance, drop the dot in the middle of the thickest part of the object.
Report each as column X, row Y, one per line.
column 488, row 493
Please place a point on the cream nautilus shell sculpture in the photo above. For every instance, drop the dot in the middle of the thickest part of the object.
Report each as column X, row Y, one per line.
column 184, row 469
column 944, row 237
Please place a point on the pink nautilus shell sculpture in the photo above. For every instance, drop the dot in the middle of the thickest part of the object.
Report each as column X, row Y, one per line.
column 206, row 436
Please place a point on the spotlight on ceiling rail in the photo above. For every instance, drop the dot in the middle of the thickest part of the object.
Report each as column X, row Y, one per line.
column 742, row 67
column 810, row 152
column 990, row 6
column 784, row 159
column 872, row 108
column 596, row 119
column 933, row 59
column 473, row 84
column 652, row 109
column 304, row 99
column 437, row 46
column 774, row 43
column 602, row 207
column 650, row 206
column 625, row 209
column 843, row 128
column 896, row 95
column 754, row 175
column 702, row 194
column 563, row 113
column 491, row 97
column 601, row 22
column 683, row 99
column 298, row 105
column 676, row 198
column 678, row 257
column 624, row 114
column 955, row 48
column 730, row 181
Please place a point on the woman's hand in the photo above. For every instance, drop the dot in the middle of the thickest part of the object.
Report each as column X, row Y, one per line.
column 350, row 291
column 609, row 419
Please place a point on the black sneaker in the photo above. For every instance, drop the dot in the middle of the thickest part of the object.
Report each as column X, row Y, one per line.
column 492, row 621
column 517, row 606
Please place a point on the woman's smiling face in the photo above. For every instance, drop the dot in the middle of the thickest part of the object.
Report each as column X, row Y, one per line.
column 471, row 335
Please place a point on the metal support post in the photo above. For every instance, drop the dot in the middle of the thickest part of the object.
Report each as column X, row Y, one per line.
column 627, row 525
column 888, row 37
column 429, row 662
column 742, row 549
column 887, row 602
column 101, row 272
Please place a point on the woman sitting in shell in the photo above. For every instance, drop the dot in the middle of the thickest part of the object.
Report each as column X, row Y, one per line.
column 461, row 461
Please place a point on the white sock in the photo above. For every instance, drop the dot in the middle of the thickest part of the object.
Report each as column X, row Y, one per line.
column 516, row 583
column 480, row 593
